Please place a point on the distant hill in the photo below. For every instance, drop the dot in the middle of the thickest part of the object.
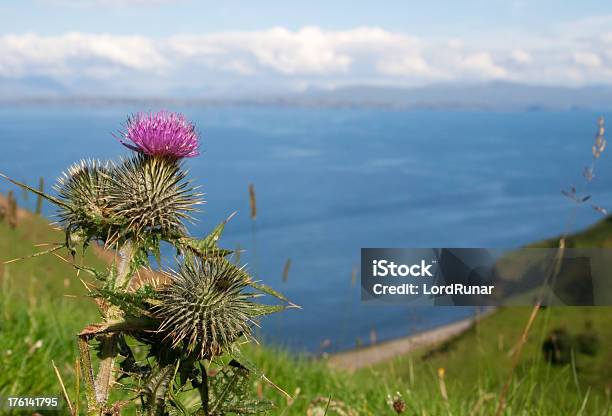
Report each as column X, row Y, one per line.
column 493, row 96
column 490, row 96
column 30, row 87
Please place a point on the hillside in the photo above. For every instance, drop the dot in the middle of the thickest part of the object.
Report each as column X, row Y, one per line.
column 42, row 308
column 597, row 235
column 484, row 96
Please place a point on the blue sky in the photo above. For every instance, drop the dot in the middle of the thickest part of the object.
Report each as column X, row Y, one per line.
column 169, row 47
column 160, row 18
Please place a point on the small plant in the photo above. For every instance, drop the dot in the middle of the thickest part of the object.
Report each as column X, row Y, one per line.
column 557, row 348
column 171, row 342
column 396, row 403
column 560, row 344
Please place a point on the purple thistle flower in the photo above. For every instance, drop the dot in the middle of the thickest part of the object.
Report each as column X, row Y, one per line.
column 163, row 134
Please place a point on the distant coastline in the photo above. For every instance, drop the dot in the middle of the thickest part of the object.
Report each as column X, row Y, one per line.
column 357, row 358
column 495, row 96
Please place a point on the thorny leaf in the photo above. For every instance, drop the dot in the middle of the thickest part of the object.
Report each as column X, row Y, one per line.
column 207, row 247
column 230, row 392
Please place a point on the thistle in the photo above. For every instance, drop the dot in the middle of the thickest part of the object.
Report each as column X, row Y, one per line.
column 152, row 195
column 162, row 134
column 84, row 190
column 204, row 306
column 197, row 313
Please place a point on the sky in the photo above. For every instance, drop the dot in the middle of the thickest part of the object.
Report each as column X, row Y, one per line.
column 205, row 48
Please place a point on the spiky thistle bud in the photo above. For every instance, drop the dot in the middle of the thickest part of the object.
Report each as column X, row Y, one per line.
column 152, row 195
column 204, row 307
column 84, row 190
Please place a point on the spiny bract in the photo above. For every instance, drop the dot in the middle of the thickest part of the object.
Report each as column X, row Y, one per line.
column 204, row 306
column 152, row 195
column 84, row 189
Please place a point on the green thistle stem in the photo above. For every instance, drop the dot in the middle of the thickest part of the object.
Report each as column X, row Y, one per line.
column 204, row 396
column 88, row 376
column 97, row 391
column 108, row 353
column 108, row 346
column 124, row 270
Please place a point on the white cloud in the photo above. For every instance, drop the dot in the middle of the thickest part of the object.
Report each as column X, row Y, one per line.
column 521, row 57
column 74, row 53
column 481, row 64
column 455, row 43
column 309, row 50
column 405, row 66
column 588, row 59
column 310, row 56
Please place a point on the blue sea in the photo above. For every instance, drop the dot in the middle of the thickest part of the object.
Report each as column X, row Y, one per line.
column 331, row 181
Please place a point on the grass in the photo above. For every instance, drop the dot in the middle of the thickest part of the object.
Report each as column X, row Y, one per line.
column 476, row 364
column 597, row 235
column 42, row 307
column 38, row 324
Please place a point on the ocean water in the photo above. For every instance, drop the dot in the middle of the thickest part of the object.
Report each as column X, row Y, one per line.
column 330, row 181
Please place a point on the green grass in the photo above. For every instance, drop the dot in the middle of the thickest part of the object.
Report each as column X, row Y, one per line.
column 478, row 362
column 42, row 308
column 476, row 365
column 34, row 308
column 597, row 235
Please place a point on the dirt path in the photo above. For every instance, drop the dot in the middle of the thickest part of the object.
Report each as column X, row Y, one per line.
column 368, row 356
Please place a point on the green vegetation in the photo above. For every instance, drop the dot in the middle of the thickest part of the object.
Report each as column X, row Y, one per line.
column 43, row 307
column 597, row 235
column 38, row 324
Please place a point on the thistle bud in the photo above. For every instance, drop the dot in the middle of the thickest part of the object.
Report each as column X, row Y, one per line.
column 84, row 189
column 151, row 195
column 204, row 307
